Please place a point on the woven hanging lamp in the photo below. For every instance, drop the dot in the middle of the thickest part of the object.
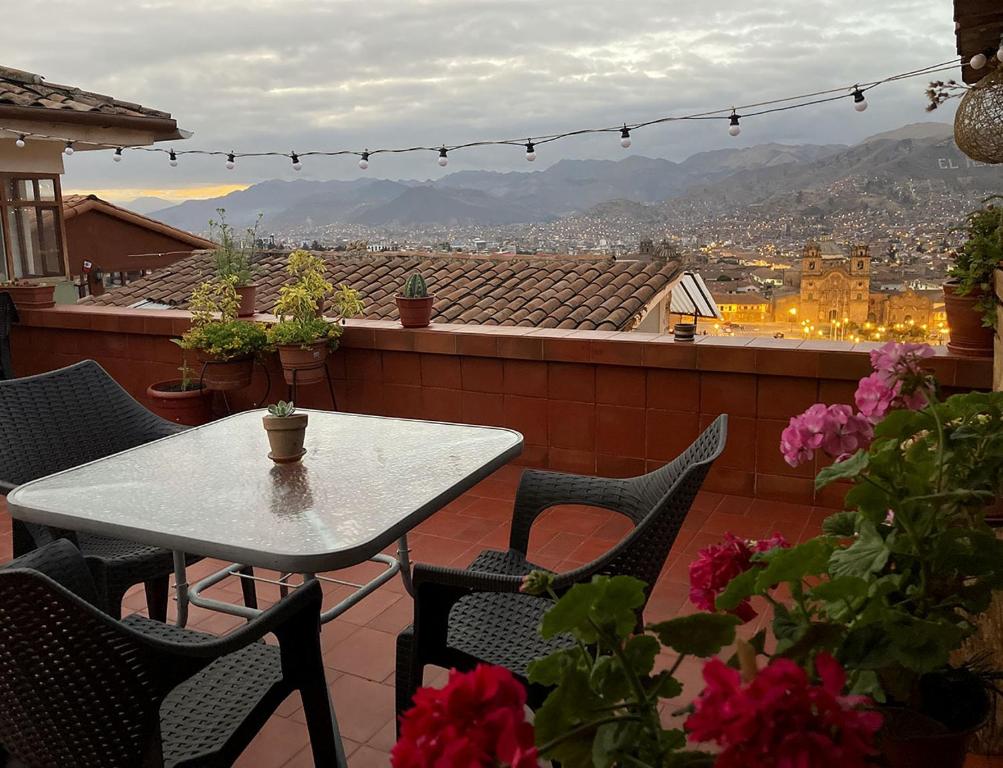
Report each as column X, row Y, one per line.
column 978, row 124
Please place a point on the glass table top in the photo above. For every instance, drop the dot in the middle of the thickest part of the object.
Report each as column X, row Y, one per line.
column 212, row 490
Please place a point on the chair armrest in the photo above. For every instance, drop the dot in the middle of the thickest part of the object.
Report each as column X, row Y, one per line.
column 540, row 490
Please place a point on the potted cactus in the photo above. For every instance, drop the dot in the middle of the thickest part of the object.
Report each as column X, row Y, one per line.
column 182, row 401
column 302, row 336
column 413, row 302
column 286, row 431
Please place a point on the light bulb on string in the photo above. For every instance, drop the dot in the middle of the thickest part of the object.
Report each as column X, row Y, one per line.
column 68, row 149
column 859, row 102
column 999, row 52
column 173, row 159
column 734, row 128
column 296, row 161
column 20, row 142
column 364, row 160
column 231, row 160
column 978, row 61
column 117, row 157
column 443, row 158
column 624, row 137
column 530, row 151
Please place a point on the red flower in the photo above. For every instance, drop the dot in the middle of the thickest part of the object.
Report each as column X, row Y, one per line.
column 718, row 564
column 782, row 720
column 476, row 721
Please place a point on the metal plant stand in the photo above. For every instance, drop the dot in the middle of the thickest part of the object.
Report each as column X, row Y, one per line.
column 226, row 403
column 292, row 386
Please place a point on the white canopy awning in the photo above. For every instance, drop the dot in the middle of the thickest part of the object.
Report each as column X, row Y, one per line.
column 691, row 297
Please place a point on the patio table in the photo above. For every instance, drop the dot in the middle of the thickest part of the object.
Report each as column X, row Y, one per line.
column 364, row 482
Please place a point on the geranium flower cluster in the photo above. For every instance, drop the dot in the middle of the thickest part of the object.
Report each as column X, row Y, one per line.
column 898, row 381
column 718, row 564
column 477, row 720
column 782, row 720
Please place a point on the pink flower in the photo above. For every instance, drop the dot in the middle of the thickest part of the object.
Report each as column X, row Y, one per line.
column 718, row 564
column 895, row 360
column 836, row 429
column 781, row 720
column 875, row 396
column 477, row 720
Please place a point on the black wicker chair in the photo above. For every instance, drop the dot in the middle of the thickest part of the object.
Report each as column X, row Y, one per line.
column 63, row 418
column 462, row 617
column 79, row 689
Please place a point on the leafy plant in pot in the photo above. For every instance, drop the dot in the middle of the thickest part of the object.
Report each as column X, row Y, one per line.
column 232, row 258
column 969, row 294
column 227, row 344
column 896, row 583
column 302, row 337
column 182, row 401
column 414, row 304
column 286, row 431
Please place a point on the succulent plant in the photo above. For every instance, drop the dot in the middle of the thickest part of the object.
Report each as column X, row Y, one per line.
column 415, row 287
column 282, row 409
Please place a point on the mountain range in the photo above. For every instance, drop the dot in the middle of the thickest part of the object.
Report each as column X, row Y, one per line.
column 636, row 186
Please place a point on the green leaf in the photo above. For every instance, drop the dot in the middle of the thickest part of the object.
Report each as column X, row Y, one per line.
column 867, row 555
column 664, row 686
column 739, row 588
column 640, row 652
column 843, row 524
column 700, row 634
column 842, row 470
column 840, row 595
column 794, row 564
column 606, row 602
column 549, row 670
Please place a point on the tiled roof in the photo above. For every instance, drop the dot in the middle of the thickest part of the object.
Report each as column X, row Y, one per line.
column 74, row 205
column 573, row 293
column 26, row 89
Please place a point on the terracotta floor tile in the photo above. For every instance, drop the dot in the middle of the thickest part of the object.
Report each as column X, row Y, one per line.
column 394, row 618
column 367, row 757
column 277, row 743
column 363, row 707
column 368, row 653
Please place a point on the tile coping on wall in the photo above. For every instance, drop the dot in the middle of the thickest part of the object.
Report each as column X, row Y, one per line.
column 764, row 356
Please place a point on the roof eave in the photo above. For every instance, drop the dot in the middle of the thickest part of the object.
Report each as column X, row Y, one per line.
column 162, row 128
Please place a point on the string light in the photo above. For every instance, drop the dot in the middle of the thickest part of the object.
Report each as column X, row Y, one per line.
column 20, row 142
column 752, row 110
column 117, row 157
column 978, row 61
column 173, row 159
column 735, row 128
column 296, row 161
column 530, row 151
column 859, row 102
column 999, row 52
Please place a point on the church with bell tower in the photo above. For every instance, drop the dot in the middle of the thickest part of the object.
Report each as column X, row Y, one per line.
column 835, row 282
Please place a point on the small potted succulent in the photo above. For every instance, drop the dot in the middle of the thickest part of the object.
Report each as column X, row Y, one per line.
column 413, row 302
column 182, row 401
column 27, row 294
column 227, row 344
column 286, row 430
column 232, row 258
column 969, row 295
column 302, row 336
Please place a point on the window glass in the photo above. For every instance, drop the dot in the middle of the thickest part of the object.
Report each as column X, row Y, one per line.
column 46, row 190
column 20, row 190
column 34, row 241
column 3, row 254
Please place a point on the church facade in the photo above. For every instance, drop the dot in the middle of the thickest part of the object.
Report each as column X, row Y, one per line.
column 835, row 283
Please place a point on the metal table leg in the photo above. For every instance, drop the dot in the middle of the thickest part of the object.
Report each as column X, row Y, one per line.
column 403, row 557
column 181, row 587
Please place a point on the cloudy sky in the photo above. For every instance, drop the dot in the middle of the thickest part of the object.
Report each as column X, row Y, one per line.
column 286, row 75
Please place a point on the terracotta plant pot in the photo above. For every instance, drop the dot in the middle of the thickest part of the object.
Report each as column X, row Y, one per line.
column 307, row 364
column 169, row 401
column 248, row 296
column 222, row 376
column 31, row 296
column 910, row 740
column 415, row 313
column 968, row 336
column 285, row 437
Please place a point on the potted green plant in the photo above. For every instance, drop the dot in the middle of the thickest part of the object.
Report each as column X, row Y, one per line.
column 413, row 302
column 286, row 430
column 302, row 336
column 896, row 583
column 969, row 294
column 232, row 258
column 182, row 401
column 225, row 345
column 28, row 294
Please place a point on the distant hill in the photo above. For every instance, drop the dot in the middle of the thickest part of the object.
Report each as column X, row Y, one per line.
column 716, row 180
column 145, row 205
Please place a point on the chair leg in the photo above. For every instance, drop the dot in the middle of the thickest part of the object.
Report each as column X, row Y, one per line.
column 157, row 593
column 248, row 588
column 325, row 739
column 409, row 672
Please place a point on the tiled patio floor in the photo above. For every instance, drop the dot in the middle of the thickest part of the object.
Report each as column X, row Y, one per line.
column 359, row 646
